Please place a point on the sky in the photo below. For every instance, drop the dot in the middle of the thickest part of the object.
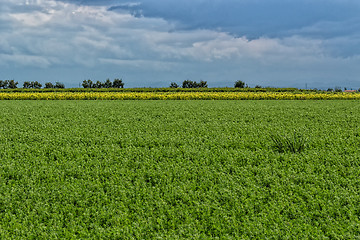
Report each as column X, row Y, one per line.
column 151, row 43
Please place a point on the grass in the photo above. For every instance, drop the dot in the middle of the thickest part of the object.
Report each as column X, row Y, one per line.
column 295, row 143
column 178, row 170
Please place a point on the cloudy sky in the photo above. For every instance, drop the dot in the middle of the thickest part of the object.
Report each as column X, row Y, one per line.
column 281, row 43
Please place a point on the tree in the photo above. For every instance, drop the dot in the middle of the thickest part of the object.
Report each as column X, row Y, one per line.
column 202, row 84
column 49, row 85
column 258, row 86
column 118, row 83
column 33, row 84
column 107, row 83
column 98, row 84
column 59, row 85
column 26, row 84
column 36, row 85
column 174, row 85
column 12, row 84
column 239, row 84
column 87, row 84
column 2, row 84
column 337, row 89
column 189, row 84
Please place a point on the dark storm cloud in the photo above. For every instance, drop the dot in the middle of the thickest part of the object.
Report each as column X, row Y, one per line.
column 152, row 42
column 271, row 18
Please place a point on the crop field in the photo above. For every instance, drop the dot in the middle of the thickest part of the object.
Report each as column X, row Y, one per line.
column 179, row 169
column 67, row 94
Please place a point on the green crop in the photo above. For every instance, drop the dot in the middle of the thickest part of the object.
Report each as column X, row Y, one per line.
column 178, row 170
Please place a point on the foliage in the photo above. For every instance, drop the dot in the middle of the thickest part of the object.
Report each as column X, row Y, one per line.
column 49, row 85
column 8, row 84
column 202, row 84
column 87, row 84
column 337, row 89
column 59, row 85
column 177, row 170
column 189, row 84
column 33, row 84
column 192, row 95
column 12, row 84
column 108, row 84
column 194, row 84
column 98, row 84
column 233, row 90
column 118, row 83
column 239, row 84
column 174, row 85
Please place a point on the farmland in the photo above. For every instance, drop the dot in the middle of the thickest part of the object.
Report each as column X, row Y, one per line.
column 161, row 94
column 178, row 169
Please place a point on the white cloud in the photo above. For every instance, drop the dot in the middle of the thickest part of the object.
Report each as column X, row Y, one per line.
column 50, row 34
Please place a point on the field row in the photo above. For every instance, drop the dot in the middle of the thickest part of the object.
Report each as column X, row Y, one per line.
column 176, row 96
column 178, row 170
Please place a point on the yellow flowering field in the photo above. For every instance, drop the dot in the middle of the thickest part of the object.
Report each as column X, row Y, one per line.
column 176, row 96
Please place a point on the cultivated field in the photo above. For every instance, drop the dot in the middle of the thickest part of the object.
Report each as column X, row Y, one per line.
column 179, row 169
column 182, row 94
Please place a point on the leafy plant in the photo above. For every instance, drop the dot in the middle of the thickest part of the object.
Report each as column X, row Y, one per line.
column 294, row 143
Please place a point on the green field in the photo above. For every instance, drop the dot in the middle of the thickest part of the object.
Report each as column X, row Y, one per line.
column 178, row 169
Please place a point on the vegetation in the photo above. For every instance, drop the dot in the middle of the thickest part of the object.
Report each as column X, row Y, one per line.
column 117, row 83
column 289, row 90
column 178, row 170
column 294, row 143
column 192, row 95
column 8, row 84
column 34, row 84
column 174, row 85
column 239, row 84
column 193, row 84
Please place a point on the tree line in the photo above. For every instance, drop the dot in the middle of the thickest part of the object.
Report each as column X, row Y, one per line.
column 8, row 84
column 117, row 83
column 203, row 84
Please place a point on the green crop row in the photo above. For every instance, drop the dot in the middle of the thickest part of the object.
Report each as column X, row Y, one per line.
column 179, row 170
